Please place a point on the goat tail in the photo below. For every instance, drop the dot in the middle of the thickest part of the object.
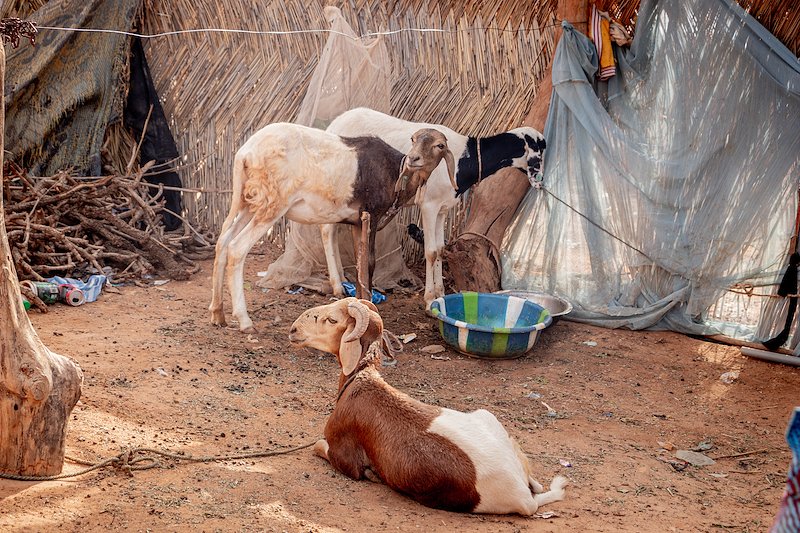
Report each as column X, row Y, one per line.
column 260, row 192
column 239, row 176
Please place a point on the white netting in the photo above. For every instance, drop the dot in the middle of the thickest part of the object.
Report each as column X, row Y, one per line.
column 351, row 73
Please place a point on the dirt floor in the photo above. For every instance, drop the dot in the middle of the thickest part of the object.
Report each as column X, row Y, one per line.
column 621, row 403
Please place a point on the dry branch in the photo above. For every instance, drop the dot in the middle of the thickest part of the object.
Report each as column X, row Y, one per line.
column 70, row 226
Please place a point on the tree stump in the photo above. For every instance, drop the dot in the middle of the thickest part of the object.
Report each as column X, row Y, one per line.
column 38, row 388
column 473, row 258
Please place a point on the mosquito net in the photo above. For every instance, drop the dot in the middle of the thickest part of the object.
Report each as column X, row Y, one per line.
column 352, row 72
column 675, row 189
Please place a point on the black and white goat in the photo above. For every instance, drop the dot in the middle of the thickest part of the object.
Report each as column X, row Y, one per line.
column 313, row 177
column 440, row 457
column 475, row 159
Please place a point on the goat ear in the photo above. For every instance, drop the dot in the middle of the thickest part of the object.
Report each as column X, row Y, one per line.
column 349, row 351
column 449, row 160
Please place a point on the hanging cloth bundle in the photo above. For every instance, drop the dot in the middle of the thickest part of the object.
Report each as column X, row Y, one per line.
column 788, row 286
column 599, row 31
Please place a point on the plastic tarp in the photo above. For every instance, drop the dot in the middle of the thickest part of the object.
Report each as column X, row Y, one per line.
column 677, row 187
column 351, row 73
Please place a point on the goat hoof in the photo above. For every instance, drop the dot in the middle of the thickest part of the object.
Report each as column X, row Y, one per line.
column 249, row 330
column 372, row 476
column 218, row 320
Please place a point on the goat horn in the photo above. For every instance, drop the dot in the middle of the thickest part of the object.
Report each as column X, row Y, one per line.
column 360, row 312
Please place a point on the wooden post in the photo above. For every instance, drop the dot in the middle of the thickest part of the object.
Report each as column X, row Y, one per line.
column 362, row 260
column 576, row 12
column 38, row 388
column 472, row 259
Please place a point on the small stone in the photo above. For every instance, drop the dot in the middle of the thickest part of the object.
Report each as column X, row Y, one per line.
column 694, row 458
column 433, row 348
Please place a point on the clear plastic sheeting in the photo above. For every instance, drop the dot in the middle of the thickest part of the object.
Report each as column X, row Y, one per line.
column 303, row 262
column 681, row 187
column 351, row 73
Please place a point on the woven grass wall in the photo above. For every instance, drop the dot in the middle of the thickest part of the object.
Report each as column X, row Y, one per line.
column 219, row 88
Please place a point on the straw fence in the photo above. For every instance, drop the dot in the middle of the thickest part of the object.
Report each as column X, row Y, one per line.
column 781, row 18
column 218, row 88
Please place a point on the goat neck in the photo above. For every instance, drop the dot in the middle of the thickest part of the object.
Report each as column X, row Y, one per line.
column 483, row 156
column 368, row 360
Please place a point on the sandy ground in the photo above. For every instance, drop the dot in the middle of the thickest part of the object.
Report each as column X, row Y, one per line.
column 158, row 375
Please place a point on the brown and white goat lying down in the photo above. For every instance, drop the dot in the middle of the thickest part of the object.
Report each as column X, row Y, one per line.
column 440, row 457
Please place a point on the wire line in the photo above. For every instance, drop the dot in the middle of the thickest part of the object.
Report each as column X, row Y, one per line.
column 292, row 32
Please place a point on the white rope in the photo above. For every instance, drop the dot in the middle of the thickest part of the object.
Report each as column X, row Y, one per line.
column 288, row 32
column 181, row 32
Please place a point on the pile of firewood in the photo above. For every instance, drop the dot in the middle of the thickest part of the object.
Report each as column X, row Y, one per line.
column 74, row 226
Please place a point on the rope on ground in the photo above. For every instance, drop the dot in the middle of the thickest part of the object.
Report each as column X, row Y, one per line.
column 142, row 458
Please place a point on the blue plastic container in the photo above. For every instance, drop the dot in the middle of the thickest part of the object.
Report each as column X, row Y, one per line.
column 491, row 326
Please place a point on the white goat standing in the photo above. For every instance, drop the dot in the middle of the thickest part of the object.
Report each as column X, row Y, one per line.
column 475, row 158
column 313, row 177
column 440, row 457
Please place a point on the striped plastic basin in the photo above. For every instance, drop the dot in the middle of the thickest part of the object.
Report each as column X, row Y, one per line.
column 494, row 326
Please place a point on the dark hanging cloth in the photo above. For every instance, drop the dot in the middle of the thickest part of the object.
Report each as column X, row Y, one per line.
column 157, row 144
column 788, row 286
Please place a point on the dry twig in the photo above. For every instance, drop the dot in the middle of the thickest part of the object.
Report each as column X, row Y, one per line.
column 68, row 226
